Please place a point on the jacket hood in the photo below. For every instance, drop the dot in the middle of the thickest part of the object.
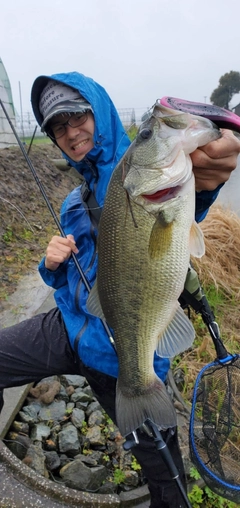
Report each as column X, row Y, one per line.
column 110, row 138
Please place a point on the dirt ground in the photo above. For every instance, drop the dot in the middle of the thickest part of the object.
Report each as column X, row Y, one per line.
column 26, row 224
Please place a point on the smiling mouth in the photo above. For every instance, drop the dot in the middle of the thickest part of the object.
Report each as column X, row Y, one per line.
column 82, row 143
column 162, row 195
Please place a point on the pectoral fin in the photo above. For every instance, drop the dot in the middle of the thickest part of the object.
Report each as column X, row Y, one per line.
column 160, row 237
column 197, row 246
column 178, row 336
column 93, row 303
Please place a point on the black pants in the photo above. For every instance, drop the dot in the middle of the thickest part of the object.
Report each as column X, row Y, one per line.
column 38, row 348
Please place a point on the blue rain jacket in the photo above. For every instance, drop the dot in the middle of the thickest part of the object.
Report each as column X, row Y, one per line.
column 86, row 333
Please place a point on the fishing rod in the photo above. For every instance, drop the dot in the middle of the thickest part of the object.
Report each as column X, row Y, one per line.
column 51, row 210
column 152, row 431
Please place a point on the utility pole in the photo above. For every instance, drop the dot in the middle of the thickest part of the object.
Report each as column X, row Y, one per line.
column 20, row 97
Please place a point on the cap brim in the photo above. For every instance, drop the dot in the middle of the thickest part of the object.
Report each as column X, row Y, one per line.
column 66, row 107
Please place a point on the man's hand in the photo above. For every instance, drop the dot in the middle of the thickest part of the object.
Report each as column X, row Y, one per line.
column 59, row 250
column 214, row 162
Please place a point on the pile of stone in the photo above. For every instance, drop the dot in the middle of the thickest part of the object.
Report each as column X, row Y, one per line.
column 64, row 435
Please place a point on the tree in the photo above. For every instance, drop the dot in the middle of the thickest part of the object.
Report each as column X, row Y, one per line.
column 229, row 85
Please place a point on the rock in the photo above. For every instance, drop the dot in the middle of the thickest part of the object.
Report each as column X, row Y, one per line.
column 77, row 418
column 20, row 427
column 40, row 431
column 78, row 476
column 64, row 459
column 54, row 411
column 108, row 487
column 68, row 440
column 93, row 406
column 35, row 459
column 73, row 380
column 131, row 478
column 70, row 406
column 70, row 390
column 83, row 406
column 49, row 396
column 63, row 394
column 18, row 444
column 52, row 460
column 95, row 437
column 38, row 390
column 87, row 459
column 88, row 390
column 71, row 432
column 96, row 418
column 80, row 396
column 29, row 414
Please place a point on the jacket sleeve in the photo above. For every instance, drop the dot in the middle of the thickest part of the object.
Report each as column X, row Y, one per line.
column 55, row 279
column 204, row 200
column 58, row 278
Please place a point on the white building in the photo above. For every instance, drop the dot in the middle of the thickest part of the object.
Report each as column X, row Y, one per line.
column 7, row 137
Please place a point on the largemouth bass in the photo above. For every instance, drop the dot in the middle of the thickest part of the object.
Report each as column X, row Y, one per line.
column 146, row 235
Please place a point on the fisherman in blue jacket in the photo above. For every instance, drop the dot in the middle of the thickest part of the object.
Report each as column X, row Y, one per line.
column 80, row 118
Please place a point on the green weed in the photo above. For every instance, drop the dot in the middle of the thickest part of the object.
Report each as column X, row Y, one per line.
column 84, row 428
column 69, row 411
column 8, row 235
column 205, row 497
column 216, row 297
column 135, row 465
column 106, row 458
column 118, row 476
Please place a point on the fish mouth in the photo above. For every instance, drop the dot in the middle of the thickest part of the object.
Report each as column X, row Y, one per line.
column 163, row 194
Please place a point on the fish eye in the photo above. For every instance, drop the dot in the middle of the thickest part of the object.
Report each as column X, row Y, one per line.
column 146, row 133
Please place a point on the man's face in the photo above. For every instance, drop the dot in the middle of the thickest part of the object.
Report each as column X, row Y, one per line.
column 73, row 133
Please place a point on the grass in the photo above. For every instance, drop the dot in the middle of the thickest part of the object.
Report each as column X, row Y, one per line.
column 219, row 273
column 26, row 224
column 24, row 249
column 41, row 140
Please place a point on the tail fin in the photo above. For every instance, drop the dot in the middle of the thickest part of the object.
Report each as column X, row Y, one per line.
column 153, row 403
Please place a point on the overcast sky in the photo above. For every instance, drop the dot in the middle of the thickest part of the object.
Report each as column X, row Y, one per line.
column 139, row 50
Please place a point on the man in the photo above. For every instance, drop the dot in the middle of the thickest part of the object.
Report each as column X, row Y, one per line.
column 80, row 118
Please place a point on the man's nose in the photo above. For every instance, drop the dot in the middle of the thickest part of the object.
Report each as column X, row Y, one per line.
column 72, row 131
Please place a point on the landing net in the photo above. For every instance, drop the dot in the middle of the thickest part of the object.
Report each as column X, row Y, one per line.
column 215, row 426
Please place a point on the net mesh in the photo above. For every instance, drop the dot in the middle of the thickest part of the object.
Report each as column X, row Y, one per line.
column 215, row 427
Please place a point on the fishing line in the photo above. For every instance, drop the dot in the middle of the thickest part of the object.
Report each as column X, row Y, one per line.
column 51, row 210
column 19, row 211
column 42, row 190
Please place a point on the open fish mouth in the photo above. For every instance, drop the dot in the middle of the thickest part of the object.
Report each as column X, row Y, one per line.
column 163, row 195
